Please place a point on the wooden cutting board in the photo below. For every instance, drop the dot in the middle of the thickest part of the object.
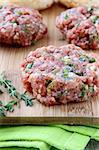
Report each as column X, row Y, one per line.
column 11, row 59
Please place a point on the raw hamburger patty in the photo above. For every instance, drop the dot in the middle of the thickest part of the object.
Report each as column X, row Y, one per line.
column 20, row 26
column 57, row 75
column 80, row 26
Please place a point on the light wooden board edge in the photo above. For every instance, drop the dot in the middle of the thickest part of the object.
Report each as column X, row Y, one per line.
column 49, row 120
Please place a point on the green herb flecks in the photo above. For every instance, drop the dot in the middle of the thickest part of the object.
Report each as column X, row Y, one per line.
column 59, row 94
column 26, row 29
column 66, row 17
column 48, row 82
column 77, row 25
column 97, row 37
column 91, row 89
column 95, row 19
column 66, row 60
column 83, row 91
column 92, row 60
column 15, row 22
column 79, row 73
column 70, row 64
column 30, row 65
column 84, row 58
column 65, row 73
column 34, row 42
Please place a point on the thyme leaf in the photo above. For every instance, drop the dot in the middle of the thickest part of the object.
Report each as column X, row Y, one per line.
column 66, row 17
column 83, row 92
column 10, row 106
column 30, row 65
column 1, row 92
column 2, row 112
column 28, row 101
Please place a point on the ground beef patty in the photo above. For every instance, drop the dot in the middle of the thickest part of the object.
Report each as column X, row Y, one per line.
column 20, row 26
column 57, row 75
column 80, row 26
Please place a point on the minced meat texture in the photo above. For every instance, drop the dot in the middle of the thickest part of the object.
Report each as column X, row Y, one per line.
column 20, row 26
column 80, row 26
column 57, row 75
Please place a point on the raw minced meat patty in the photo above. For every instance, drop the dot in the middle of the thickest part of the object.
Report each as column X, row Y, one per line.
column 20, row 26
column 57, row 75
column 80, row 26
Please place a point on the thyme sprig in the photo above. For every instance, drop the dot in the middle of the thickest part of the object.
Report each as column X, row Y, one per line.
column 7, row 84
column 2, row 109
column 2, row 112
column 9, row 107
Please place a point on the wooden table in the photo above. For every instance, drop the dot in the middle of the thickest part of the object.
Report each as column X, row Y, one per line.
column 11, row 59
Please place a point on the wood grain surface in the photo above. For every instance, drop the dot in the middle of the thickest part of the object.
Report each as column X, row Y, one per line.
column 10, row 60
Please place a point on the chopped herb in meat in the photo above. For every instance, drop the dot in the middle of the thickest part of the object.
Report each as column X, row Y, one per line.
column 83, row 91
column 59, row 94
column 33, row 42
column 26, row 29
column 66, row 17
column 65, row 73
column 91, row 60
column 77, row 25
column 84, row 58
column 91, row 89
column 71, row 64
column 30, row 65
column 65, row 59
column 95, row 18
column 15, row 22
column 79, row 73
column 48, row 82
column 97, row 37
